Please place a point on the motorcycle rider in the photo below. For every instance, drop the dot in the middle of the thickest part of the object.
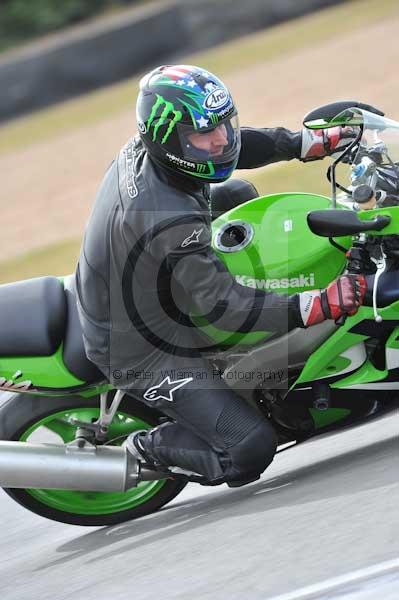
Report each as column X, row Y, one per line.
column 146, row 261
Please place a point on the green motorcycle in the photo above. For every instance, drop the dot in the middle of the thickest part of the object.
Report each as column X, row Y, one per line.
column 63, row 427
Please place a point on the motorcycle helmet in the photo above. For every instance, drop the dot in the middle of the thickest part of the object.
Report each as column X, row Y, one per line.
column 188, row 122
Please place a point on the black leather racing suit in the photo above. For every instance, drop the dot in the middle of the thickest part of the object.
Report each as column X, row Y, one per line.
column 145, row 262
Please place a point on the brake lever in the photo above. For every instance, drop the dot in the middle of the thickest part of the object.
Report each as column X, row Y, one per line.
column 381, row 265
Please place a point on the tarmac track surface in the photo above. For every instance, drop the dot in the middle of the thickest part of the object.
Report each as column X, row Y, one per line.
column 322, row 510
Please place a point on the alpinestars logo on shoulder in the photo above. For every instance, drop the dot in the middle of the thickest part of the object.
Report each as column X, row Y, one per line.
column 193, row 238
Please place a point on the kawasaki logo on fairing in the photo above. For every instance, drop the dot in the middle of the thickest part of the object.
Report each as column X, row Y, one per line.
column 274, row 284
column 167, row 111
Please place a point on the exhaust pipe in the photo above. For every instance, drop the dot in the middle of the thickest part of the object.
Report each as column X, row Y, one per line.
column 75, row 466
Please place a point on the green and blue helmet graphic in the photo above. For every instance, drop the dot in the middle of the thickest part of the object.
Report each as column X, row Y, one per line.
column 176, row 106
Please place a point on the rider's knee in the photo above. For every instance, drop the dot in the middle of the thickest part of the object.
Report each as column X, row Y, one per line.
column 253, row 454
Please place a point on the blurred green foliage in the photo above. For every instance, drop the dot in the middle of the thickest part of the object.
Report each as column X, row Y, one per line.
column 24, row 19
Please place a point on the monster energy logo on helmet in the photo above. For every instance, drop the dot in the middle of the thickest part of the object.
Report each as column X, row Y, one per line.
column 167, row 111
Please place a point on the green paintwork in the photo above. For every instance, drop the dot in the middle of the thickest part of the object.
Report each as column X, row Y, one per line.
column 42, row 371
column 323, row 361
column 323, row 418
column 367, row 373
column 282, row 248
column 91, row 503
column 393, row 340
column 274, row 252
column 326, row 355
column 392, row 212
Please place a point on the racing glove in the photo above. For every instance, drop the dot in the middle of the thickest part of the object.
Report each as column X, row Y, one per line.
column 342, row 297
column 318, row 143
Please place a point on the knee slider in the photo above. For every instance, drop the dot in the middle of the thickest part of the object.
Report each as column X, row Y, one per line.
column 248, row 438
column 253, row 454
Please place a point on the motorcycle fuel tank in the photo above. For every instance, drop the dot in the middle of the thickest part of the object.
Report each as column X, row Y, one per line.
column 266, row 244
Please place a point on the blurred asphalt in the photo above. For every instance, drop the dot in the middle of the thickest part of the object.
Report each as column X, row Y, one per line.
column 321, row 510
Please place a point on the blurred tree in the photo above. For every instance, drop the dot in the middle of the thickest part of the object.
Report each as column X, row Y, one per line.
column 23, row 19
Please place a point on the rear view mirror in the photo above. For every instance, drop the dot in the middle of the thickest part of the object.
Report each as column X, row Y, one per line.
column 331, row 115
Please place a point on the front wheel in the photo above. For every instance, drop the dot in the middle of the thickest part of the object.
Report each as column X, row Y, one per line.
column 39, row 419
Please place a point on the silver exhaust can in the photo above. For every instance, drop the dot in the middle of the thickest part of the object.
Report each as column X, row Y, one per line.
column 69, row 467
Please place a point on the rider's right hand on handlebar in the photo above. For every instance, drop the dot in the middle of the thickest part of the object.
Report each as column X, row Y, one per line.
column 318, row 143
column 342, row 297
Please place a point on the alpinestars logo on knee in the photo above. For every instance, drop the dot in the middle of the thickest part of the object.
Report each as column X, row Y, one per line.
column 165, row 389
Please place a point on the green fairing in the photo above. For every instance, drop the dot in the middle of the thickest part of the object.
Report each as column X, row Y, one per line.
column 321, row 362
column 392, row 212
column 42, row 371
column 393, row 340
column 282, row 249
column 367, row 373
column 323, row 418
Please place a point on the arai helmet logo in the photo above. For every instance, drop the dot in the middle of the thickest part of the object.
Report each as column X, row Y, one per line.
column 216, row 99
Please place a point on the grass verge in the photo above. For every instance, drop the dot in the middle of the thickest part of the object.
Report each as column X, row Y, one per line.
column 236, row 55
column 55, row 259
column 61, row 258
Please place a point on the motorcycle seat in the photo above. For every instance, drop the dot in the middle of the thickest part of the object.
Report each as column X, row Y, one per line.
column 32, row 317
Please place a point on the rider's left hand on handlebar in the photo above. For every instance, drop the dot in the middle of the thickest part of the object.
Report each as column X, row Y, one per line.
column 342, row 297
column 318, row 143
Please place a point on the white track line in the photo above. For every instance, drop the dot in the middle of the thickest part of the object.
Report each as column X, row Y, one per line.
column 330, row 585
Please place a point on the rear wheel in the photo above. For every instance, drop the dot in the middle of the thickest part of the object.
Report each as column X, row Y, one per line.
column 31, row 419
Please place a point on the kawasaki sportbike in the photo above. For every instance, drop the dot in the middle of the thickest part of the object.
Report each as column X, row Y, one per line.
column 63, row 428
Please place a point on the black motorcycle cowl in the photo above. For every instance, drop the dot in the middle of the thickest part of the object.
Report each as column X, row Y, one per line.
column 32, row 317
column 388, row 289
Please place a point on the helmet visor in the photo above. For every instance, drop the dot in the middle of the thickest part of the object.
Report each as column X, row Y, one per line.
column 219, row 144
